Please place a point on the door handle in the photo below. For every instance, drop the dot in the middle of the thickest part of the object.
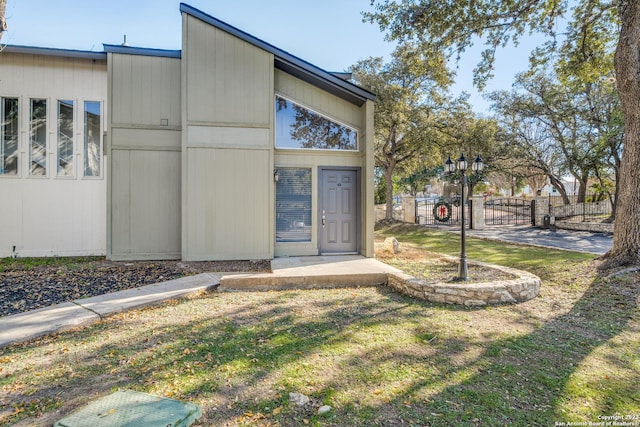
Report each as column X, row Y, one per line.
column 324, row 219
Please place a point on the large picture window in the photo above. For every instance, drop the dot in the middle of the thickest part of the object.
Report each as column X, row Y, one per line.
column 65, row 138
column 293, row 205
column 299, row 127
column 8, row 136
column 38, row 137
column 92, row 146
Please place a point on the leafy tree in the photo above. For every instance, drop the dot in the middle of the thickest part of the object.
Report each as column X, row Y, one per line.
column 465, row 132
column 314, row 131
column 409, row 89
column 574, row 124
column 3, row 23
column 533, row 151
column 415, row 182
column 454, row 26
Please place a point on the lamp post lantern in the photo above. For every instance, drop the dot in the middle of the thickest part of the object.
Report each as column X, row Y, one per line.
column 449, row 169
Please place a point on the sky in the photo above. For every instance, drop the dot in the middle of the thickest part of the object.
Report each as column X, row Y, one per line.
column 329, row 34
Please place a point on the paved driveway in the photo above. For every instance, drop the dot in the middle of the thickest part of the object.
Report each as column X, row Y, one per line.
column 579, row 241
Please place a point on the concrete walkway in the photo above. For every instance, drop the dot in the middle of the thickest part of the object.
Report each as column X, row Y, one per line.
column 577, row 241
column 288, row 273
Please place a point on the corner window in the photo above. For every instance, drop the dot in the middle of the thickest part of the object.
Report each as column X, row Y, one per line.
column 9, row 136
column 65, row 138
column 299, row 127
column 293, row 205
column 38, row 137
column 92, row 138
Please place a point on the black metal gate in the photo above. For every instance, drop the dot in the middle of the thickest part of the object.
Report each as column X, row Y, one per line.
column 508, row 211
column 430, row 212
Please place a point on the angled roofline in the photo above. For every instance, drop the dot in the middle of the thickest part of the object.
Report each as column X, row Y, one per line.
column 290, row 63
column 131, row 50
column 48, row 51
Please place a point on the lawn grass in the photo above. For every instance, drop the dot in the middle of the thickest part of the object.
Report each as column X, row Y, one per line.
column 376, row 357
column 29, row 263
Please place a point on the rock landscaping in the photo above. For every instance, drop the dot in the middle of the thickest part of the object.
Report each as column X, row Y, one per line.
column 25, row 287
column 522, row 288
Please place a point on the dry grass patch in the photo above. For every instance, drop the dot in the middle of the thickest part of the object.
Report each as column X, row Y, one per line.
column 433, row 267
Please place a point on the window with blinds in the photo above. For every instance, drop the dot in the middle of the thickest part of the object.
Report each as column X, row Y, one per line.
column 293, row 205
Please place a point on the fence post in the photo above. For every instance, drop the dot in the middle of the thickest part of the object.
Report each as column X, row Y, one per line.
column 542, row 208
column 409, row 209
column 533, row 212
column 477, row 213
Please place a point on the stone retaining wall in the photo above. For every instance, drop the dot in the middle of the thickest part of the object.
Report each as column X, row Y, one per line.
column 523, row 288
column 596, row 227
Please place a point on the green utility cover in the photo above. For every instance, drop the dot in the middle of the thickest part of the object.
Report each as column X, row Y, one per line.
column 133, row 409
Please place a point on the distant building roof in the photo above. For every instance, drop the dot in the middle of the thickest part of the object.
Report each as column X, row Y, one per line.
column 130, row 50
column 68, row 53
column 290, row 63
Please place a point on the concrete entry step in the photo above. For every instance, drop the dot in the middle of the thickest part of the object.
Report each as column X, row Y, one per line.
column 130, row 408
column 311, row 272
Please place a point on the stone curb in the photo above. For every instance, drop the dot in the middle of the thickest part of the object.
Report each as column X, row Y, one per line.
column 523, row 288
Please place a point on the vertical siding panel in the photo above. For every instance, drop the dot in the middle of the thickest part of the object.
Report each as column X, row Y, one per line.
column 57, row 216
column 136, row 91
column 229, row 93
column 147, row 88
column 175, row 84
column 123, row 95
column 226, row 82
column 164, row 96
column 120, row 201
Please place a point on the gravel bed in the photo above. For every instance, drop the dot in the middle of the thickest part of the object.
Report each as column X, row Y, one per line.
column 24, row 287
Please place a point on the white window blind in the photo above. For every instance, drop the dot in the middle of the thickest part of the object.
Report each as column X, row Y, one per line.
column 293, row 205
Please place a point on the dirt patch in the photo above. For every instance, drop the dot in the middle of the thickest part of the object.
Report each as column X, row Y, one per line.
column 435, row 268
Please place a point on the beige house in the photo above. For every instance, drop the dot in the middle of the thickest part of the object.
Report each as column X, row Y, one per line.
column 227, row 149
column 52, row 168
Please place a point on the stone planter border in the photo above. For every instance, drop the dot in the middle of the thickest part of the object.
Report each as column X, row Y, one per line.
column 523, row 288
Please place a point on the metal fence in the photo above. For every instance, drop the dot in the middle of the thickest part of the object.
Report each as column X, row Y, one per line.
column 596, row 208
column 507, row 211
column 431, row 212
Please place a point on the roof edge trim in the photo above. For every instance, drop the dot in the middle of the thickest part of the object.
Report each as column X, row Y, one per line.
column 130, row 50
column 49, row 51
column 353, row 90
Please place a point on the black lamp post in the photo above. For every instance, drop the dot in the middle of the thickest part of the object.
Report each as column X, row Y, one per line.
column 449, row 169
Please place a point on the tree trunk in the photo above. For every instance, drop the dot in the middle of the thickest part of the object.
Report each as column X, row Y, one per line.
column 582, row 189
column 614, row 199
column 558, row 185
column 388, row 179
column 626, row 235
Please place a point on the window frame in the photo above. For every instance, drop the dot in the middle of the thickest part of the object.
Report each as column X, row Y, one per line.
column 286, row 216
column 46, row 138
column 325, row 116
column 99, row 140
column 4, row 174
column 72, row 170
